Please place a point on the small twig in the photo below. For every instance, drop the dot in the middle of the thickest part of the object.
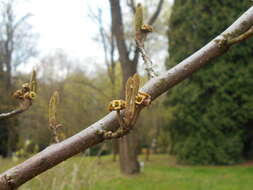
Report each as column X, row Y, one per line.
column 228, row 40
column 141, row 32
column 131, row 4
column 53, row 124
column 156, row 13
column 242, row 37
column 25, row 95
column 147, row 61
column 23, row 107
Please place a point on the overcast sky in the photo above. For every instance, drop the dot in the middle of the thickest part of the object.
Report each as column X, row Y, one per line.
column 64, row 24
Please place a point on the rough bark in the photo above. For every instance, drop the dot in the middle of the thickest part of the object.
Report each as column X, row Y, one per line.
column 57, row 153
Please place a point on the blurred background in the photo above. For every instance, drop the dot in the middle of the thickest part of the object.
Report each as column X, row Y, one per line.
column 75, row 48
column 69, row 45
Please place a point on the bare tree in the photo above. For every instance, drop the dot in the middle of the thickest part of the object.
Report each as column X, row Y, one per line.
column 16, row 46
column 25, row 95
column 107, row 40
column 241, row 30
column 17, row 43
column 108, row 43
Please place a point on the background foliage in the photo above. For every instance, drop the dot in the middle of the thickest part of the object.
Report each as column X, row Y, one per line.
column 213, row 109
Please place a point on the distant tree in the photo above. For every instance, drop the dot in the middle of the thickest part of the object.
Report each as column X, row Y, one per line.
column 17, row 45
column 17, row 42
column 58, row 71
column 127, row 144
column 213, row 109
column 154, row 45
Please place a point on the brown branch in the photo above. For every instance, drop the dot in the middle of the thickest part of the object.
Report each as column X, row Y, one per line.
column 136, row 55
column 55, row 154
column 112, row 62
column 107, row 41
column 131, row 4
column 156, row 13
column 24, row 105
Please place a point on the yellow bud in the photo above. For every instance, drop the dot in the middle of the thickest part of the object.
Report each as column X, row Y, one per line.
column 32, row 95
column 117, row 105
column 146, row 28
column 54, row 100
column 33, row 82
column 138, row 17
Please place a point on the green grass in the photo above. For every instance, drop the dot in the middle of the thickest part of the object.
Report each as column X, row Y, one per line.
column 161, row 173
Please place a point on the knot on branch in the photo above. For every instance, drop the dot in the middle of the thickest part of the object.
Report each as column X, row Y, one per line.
column 229, row 39
column 6, row 183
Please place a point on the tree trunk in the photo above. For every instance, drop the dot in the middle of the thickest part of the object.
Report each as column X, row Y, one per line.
column 1, row 69
column 128, row 155
column 115, row 149
column 8, row 77
column 147, row 154
column 127, row 144
column 6, row 60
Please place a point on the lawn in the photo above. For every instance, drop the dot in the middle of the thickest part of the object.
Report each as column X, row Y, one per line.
column 161, row 173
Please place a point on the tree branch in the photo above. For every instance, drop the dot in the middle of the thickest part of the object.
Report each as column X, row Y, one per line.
column 107, row 41
column 156, row 13
column 54, row 154
column 25, row 95
column 23, row 107
column 150, row 22
column 241, row 38
column 131, row 4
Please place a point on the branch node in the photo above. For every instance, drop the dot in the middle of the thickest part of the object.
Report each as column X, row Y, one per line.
column 134, row 102
column 141, row 32
column 25, row 95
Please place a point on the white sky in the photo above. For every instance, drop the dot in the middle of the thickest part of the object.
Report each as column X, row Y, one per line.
column 64, row 24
